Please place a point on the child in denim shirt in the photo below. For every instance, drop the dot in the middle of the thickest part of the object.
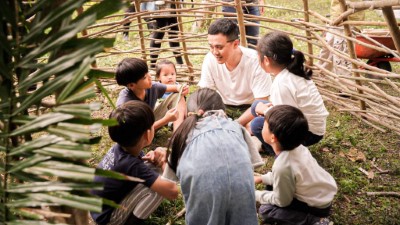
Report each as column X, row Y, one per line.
column 211, row 159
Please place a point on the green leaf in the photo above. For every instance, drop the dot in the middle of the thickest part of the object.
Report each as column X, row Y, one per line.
column 41, row 122
column 105, row 92
column 79, row 74
column 28, row 162
column 103, row 8
column 80, row 96
column 46, row 90
column 62, row 198
column 97, row 73
column 64, row 153
column 31, row 222
column 52, row 186
column 62, row 170
column 79, row 110
column 53, row 17
column 38, row 143
column 56, row 40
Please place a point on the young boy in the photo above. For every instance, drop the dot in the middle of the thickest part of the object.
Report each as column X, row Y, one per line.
column 302, row 190
column 133, row 73
column 134, row 131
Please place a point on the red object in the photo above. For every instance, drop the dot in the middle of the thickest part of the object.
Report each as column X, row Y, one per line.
column 369, row 53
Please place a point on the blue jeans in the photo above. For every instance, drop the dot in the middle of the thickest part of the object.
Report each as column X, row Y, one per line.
column 252, row 31
column 257, row 125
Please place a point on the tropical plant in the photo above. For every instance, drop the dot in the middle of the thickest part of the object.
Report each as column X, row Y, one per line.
column 46, row 133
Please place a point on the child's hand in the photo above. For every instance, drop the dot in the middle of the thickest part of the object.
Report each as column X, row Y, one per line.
column 157, row 157
column 172, row 115
column 257, row 180
column 185, row 90
column 261, row 107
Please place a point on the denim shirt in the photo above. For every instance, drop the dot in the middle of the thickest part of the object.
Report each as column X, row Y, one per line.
column 216, row 174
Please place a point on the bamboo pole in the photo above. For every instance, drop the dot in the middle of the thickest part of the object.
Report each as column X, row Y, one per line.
column 308, row 33
column 139, row 19
column 180, row 35
column 393, row 28
column 240, row 18
column 352, row 53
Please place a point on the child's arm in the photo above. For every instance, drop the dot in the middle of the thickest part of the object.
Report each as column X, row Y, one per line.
column 170, row 116
column 176, row 88
column 166, row 188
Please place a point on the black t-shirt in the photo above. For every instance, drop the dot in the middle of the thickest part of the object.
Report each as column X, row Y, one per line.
column 118, row 160
column 156, row 91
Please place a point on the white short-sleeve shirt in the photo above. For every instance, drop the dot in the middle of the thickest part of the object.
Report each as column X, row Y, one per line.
column 290, row 89
column 240, row 86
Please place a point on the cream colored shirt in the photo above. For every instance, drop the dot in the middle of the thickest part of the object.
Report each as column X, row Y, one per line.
column 240, row 86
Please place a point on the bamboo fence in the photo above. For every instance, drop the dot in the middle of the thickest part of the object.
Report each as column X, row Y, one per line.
column 371, row 94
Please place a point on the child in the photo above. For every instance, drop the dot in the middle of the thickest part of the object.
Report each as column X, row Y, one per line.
column 135, row 130
column 292, row 85
column 166, row 74
column 302, row 190
column 212, row 161
column 134, row 74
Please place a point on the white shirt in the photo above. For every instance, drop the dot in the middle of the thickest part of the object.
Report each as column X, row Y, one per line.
column 290, row 89
column 296, row 174
column 239, row 86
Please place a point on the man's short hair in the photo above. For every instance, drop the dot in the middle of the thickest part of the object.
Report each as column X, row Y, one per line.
column 134, row 118
column 130, row 70
column 225, row 27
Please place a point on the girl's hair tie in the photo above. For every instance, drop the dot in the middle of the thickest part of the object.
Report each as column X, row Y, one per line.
column 292, row 54
column 198, row 114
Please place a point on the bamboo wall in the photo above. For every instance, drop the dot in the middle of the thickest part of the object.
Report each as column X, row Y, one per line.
column 374, row 93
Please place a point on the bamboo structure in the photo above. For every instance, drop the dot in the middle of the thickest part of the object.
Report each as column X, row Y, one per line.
column 371, row 93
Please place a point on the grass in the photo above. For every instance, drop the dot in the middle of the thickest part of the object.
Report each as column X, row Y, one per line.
column 345, row 137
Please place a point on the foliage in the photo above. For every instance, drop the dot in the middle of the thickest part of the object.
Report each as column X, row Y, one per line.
column 45, row 125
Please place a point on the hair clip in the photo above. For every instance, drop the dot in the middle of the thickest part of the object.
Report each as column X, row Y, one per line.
column 292, row 55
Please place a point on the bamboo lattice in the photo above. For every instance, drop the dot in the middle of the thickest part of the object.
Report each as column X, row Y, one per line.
column 371, row 94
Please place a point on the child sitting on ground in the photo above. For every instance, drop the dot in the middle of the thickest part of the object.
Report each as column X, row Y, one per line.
column 292, row 85
column 133, row 73
column 135, row 130
column 211, row 159
column 302, row 191
column 166, row 74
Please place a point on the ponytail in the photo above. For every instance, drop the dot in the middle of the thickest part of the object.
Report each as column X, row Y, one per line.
column 296, row 65
column 177, row 143
column 200, row 101
column 278, row 46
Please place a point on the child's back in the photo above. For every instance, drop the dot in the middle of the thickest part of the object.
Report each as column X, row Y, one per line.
column 212, row 162
column 216, row 174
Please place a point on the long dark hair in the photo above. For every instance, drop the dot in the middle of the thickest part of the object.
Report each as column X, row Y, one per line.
column 204, row 99
column 278, row 47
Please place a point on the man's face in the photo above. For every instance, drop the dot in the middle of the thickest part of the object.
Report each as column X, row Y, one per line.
column 221, row 47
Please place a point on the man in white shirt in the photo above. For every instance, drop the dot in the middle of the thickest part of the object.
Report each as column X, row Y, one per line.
column 233, row 70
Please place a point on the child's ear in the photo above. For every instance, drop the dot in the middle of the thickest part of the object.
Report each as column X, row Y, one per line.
column 131, row 86
column 147, row 137
column 273, row 139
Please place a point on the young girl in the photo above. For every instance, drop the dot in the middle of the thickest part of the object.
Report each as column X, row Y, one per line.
column 212, row 161
column 292, row 85
column 166, row 74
